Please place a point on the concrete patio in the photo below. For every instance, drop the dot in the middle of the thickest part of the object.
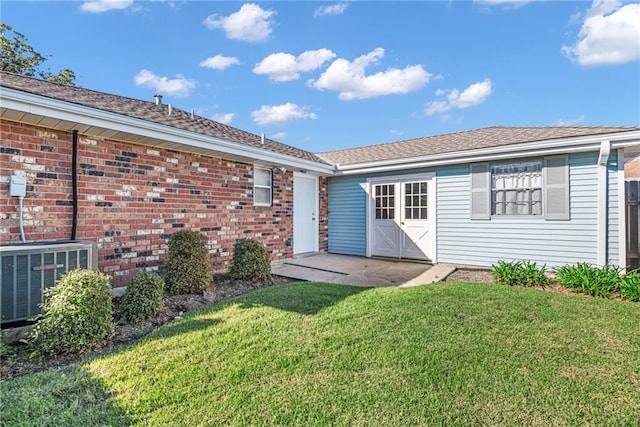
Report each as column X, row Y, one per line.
column 360, row 271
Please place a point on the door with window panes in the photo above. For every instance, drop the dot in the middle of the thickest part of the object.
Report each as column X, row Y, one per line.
column 401, row 215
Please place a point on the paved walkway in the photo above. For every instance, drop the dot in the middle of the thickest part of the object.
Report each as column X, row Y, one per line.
column 360, row 271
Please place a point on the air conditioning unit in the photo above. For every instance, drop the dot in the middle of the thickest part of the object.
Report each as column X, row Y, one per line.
column 27, row 269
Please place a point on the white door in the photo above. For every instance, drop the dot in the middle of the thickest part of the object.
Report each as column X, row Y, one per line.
column 385, row 239
column 401, row 218
column 305, row 213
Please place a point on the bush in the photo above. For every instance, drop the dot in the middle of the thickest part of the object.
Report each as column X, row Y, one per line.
column 188, row 268
column 630, row 286
column 521, row 273
column 250, row 261
column 142, row 297
column 583, row 277
column 77, row 314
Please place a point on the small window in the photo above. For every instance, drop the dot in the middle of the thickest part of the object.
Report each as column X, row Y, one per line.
column 516, row 188
column 385, row 201
column 415, row 204
column 261, row 186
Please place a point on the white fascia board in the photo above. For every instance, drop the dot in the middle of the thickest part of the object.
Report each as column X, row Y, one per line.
column 544, row 148
column 62, row 110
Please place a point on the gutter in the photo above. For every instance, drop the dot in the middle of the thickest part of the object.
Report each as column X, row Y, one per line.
column 603, row 192
column 76, row 115
column 537, row 148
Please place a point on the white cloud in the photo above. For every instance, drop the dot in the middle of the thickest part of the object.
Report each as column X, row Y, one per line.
column 333, row 9
column 610, row 35
column 474, row 95
column 283, row 67
column 396, row 132
column 100, row 6
column 280, row 135
column 570, row 122
column 280, row 115
column 251, row 23
column 219, row 62
column 224, row 118
column 350, row 80
column 179, row 87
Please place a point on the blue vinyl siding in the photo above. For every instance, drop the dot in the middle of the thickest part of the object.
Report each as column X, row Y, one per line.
column 461, row 240
column 347, row 216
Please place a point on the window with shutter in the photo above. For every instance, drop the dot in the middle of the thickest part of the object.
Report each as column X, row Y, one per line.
column 529, row 187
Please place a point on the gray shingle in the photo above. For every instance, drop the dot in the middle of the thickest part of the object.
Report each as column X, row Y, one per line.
column 463, row 141
column 148, row 111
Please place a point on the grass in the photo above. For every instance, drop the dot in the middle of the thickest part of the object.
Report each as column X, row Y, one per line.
column 318, row 354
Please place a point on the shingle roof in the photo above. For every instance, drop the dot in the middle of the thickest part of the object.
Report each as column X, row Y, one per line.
column 463, row 141
column 148, row 111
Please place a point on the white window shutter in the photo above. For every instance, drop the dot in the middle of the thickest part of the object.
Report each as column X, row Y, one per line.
column 480, row 191
column 556, row 188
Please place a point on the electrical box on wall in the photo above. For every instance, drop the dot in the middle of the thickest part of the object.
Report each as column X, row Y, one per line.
column 18, row 186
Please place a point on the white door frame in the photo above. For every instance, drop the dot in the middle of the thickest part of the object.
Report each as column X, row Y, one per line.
column 431, row 201
column 313, row 222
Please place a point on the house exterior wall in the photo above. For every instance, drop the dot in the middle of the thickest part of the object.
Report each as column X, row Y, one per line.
column 632, row 169
column 131, row 198
column 461, row 240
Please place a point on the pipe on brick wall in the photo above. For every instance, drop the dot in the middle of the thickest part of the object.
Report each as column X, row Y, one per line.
column 74, row 184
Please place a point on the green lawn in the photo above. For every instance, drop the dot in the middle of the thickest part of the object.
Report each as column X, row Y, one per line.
column 318, row 354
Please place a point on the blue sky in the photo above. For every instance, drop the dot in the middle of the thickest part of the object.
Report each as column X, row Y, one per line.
column 329, row 75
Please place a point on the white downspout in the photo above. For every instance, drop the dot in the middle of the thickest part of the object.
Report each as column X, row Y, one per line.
column 622, row 213
column 603, row 159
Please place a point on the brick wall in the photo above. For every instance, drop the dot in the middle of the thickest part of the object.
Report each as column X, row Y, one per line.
column 131, row 198
column 632, row 169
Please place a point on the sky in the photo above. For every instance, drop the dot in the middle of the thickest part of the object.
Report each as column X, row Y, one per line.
column 324, row 76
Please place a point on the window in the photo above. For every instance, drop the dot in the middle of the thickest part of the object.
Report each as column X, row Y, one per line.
column 415, row 200
column 538, row 187
column 516, row 188
column 261, row 186
column 385, row 201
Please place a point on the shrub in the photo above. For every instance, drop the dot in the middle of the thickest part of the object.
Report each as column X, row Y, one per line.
column 77, row 314
column 142, row 297
column 250, row 261
column 583, row 277
column 630, row 286
column 188, row 268
column 522, row 273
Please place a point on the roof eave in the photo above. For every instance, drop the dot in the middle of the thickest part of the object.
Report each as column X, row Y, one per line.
column 537, row 148
column 41, row 106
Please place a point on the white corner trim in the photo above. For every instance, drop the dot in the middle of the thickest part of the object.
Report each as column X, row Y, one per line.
column 622, row 213
column 603, row 158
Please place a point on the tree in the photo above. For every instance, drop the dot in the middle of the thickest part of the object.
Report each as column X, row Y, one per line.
column 18, row 57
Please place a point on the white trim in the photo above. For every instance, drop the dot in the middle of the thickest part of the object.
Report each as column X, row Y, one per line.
column 603, row 158
column 622, row 214
column 270, row 186
column 513, row 151
column 78, row 114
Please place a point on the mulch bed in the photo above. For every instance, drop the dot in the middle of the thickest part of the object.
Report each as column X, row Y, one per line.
column 16, row 360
